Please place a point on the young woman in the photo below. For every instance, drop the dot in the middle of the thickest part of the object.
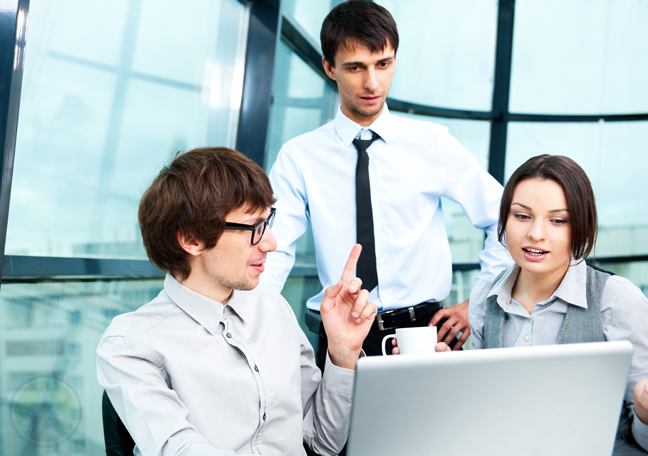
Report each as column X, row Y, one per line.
column 548, row 223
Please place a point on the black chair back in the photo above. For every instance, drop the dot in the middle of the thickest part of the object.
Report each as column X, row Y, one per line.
column 118, row 440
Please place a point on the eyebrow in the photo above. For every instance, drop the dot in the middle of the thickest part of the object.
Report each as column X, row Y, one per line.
column 352, row 64
column 529, row 209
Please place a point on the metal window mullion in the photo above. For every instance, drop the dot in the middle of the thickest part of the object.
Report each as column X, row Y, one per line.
column 257, row 83
column 13, row 30
column 501, row 89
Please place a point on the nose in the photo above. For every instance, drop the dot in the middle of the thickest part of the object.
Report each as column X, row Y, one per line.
column 371, row 80
column 268, row 242
column 537, row 231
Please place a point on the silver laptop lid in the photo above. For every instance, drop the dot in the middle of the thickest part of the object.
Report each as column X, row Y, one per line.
column 550, row 400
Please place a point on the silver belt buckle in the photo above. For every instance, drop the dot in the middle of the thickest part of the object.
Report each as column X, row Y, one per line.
column 381, row 323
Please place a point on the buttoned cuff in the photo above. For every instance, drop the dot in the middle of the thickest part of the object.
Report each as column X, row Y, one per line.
column 640, row 432
column 337, row 379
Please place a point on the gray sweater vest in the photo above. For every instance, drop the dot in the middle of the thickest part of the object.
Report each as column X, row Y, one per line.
column 580, row 326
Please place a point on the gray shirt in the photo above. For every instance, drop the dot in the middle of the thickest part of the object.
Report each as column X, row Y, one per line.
column 624, row 314
column 191, row 376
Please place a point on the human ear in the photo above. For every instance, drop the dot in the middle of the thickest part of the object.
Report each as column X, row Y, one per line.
column 328, row 68
column 189, row 243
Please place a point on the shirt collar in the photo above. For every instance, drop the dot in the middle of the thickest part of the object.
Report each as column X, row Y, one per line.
column 206, row 311
column 571, row 289
column 347, row 129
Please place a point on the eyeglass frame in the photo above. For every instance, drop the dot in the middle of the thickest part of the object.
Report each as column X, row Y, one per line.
column 243, row 227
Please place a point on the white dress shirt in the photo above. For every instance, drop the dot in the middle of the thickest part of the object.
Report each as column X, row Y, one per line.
column 411, row 167
column 624, row 314
column 191, row 376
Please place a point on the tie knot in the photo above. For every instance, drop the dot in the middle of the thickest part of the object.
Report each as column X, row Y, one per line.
column 363, row 144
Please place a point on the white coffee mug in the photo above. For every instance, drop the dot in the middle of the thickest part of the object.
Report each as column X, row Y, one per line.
column 413, row 341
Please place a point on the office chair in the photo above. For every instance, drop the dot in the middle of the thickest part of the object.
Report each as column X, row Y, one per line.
column 118, row 440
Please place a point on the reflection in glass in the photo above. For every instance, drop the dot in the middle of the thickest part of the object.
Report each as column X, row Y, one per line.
column 446, row 53
column 613, row 156
column 580, row 57
column 466, row 241
column 50, row 398
column 111, row 91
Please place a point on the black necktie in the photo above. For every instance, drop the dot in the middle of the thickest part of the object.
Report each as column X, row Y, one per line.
column 366, row 269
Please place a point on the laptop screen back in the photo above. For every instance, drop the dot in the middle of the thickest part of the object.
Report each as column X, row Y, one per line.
column 550, row 400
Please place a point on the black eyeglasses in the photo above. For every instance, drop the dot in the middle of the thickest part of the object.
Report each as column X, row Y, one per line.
column 257, row 230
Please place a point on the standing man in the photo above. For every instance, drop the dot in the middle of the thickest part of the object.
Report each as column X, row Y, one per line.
column 207, row 368
column 377, row 179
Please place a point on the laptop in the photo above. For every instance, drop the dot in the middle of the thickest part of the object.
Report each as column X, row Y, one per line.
column 549, row 400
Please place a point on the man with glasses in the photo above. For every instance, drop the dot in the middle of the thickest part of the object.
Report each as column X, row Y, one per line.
column 213, row 366
column 377, row 179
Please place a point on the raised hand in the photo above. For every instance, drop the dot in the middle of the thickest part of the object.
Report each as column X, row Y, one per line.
column 347, row 315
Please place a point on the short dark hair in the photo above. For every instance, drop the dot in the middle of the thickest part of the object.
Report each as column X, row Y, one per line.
column 578, row 193
column 357, row 21
column 193, row 194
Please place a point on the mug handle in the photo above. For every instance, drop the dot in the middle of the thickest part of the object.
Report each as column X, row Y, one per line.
column 385, row 340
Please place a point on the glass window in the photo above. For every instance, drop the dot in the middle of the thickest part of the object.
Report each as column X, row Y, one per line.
column 309, row 15
column 301, row 101
column 446, row 53
column 111, row 91
column 613, row 156
column 580, row 57
column 466, row 241
column 635, row 271
column 51, row 401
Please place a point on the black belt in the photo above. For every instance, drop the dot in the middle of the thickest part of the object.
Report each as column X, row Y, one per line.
column 391, row 319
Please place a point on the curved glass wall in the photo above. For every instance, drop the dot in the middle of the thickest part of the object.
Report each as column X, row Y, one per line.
column 446, row 52
column 580, row 57
column 51, row 401
column 111, row 91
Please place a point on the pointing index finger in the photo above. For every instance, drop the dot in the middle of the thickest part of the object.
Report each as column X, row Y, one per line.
column 350, row 266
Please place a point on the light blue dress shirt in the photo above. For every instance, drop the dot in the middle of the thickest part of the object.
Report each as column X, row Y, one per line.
column 411, row 167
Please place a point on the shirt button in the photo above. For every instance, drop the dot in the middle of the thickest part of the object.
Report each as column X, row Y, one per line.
column 526, row 338
column 382, row 260
column 256, row 368
column 264, row 417
column 229, row 336
column 370, row 156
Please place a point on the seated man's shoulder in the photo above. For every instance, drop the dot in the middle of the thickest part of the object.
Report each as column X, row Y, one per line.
column 143, row 319
column 267, row 300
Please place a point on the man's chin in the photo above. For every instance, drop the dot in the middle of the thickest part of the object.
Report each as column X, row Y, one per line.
column 369, row 111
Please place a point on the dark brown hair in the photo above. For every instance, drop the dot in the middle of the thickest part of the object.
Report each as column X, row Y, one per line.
column 193, row 195
column 578, row 193
column 361, row 22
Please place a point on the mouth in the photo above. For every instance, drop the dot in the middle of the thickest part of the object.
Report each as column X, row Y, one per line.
column 370, row 99
column 534, row 254
column 258, row 265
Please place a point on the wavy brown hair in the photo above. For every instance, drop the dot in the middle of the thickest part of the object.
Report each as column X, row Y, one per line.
column 578, row 193
column 192, row 195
